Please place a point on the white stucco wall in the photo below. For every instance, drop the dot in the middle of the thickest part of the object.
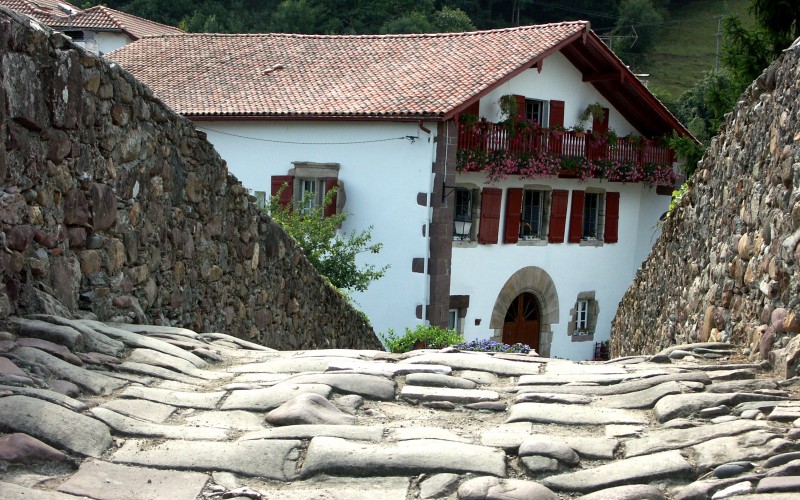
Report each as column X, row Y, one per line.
column 559, row 80
column 381, row 181
column 109, row 41
column 607, row 270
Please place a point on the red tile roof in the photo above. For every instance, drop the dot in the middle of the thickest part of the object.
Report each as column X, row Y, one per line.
column 428, row 75
column 97, row 18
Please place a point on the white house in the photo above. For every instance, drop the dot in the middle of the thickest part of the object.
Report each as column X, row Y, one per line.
column 520, row 231
column 98, row 29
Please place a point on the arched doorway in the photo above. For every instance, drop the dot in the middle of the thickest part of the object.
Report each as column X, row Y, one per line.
column 521, row 324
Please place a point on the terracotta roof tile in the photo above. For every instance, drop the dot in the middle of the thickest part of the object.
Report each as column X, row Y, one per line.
column 426, row 75
column 97, row 18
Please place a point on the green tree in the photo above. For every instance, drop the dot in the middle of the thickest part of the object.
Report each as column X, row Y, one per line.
column 702, row 108
column 297, row 16
column 449, row 20
column 331, row 252
column 413, row 22
column 636, row 29
column 748, row 52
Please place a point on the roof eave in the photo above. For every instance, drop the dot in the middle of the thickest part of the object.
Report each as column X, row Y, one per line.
column 309, row 117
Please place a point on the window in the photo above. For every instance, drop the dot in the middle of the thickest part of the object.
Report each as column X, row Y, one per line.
column 306, row 186
column 452, row 320
column 594, row 217
column 462, row 217
column 535, row 111
column 582, row 316
column 591, row 204
column 530, row 224
column 310, row 194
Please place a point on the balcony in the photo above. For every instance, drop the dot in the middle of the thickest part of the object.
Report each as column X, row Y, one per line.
column 529, row 151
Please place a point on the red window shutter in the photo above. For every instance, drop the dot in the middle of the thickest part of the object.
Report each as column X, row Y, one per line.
column 601, row 126
column 521, row 114
column 490, row 215
column 556, row 113
column 287, row 194
column 558, row 215
column 576, row 218
column 513, row 212
column 331, row 183
column 611, row 234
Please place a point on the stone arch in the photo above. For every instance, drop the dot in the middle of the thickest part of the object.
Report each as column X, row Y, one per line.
column 536, row 281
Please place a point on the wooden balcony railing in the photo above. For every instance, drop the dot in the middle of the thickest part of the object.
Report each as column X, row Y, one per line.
column 630, row 154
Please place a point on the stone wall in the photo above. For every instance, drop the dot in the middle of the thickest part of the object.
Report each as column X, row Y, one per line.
column 727, row 265
column 113, row 205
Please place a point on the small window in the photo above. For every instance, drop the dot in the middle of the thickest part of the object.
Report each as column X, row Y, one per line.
column 452, row 319
column 535, row 111
column 530, row 225
column 582, row 317
column 261, row 199
column 590, row 216
column 310, row 195
column 462, row 217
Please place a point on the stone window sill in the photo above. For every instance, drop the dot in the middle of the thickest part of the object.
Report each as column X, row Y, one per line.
column 464, row 244
column 582, row 337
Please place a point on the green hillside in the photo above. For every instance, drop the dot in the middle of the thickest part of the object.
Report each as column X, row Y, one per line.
column 687, row 45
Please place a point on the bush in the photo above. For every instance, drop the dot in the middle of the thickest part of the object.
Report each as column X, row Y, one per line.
column 487, row 345
column 432, row 336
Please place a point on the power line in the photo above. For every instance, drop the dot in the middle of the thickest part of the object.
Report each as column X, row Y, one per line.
column 261, row 139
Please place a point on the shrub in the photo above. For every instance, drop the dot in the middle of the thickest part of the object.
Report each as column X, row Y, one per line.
column 487, row 345
column 431, row 336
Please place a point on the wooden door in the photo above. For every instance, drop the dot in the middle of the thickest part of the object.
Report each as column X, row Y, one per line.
column 522, row 321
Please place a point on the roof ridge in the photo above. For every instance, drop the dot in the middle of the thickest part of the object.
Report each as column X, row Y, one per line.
column 111, row 14
column 587, row 24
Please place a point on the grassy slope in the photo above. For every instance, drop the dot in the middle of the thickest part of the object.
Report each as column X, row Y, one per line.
column 686, row 48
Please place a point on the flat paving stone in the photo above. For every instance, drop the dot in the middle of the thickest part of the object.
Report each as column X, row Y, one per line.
column 598, row 378
column 631, row 470
column 458, row 396
column 328, row 455
column 563, row 367
column 439, row 380
column 479, row 377
column 754, row 445
column 130, row 426
column 57, row 426
column 10, row 491
column 627, row 492
column 158, row 372
column 88, row 380
column 46, row 395
column 646, row 398
column 393, row 368
column 107, row 481
column 550, row 397
column 511, row 436
column 684, row 405
column 670, row 439
column 271, row 397
column 636, row 385
column 288, row 365
column 492, row 488
column 135, row 340
column 779, row 484
column 92, row 339
column 20, row 448
column 156, row 358
column 406, row 433
column 140, row 408
column 201, row 400
column 548, row 447
column 475, row 361
column 787, row 412
column 350, row 432
column 342, row 488
column 368, row 386
column 438, row 485
column 268, row 458
column 231, row 419
column 572, row 414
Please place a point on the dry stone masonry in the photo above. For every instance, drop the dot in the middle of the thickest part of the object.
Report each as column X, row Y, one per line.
column 727, row 265
column 166, row 412
column 112, row 205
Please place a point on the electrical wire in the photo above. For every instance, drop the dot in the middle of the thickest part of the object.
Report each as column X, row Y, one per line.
column 261, row 139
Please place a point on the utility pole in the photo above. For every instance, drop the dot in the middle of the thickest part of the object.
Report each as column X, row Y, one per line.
column 719, row 35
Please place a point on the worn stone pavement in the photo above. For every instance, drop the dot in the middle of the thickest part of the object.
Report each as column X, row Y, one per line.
column 113, row 411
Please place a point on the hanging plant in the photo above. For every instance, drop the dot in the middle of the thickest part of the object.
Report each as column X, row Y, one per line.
column 508, row 105
column 594, row 111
